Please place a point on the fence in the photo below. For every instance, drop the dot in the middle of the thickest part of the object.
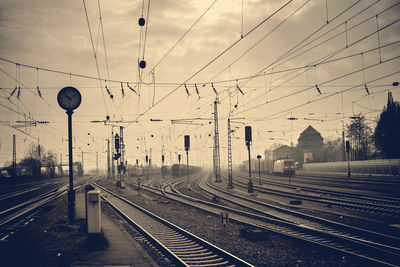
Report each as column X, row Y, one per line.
column 378, row 166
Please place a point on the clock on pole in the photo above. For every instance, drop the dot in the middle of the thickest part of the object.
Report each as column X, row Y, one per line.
column 69, row 98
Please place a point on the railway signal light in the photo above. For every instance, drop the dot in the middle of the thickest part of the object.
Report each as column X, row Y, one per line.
column 187, row 142
column 247, row 131
column 116, row 137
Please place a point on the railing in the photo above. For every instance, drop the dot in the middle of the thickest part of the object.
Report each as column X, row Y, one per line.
column 372, row 167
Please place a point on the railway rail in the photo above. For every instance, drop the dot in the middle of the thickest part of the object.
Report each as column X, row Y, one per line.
column 21, row 213
column 385, row 206
column 351, row 244
column 181, row 247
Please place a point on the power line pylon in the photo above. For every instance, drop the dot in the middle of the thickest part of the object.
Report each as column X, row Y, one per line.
column 230, row 182
column 216, row 142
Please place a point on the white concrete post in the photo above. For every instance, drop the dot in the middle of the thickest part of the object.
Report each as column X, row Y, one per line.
column 93, row 212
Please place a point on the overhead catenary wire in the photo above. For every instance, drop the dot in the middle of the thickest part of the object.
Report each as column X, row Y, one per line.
column 218, row 56
column 350, row 45
column 321, row 83
column 183, row 36
column 305, row 39
column 333, row 94
column 95, row 57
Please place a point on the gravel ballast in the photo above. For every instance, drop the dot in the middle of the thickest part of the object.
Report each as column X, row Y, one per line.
column 274, row 250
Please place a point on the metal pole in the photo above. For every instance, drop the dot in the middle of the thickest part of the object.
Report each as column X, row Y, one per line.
column 82, row 163
column 122, row 158
column 187, row 166
column 71, row 192
column 14, row 157
column 97, row 163
column 348, row 164
column 108, row 159
column 259, row 172
column 230, row 175
column 248, row 147
column 250, row 185
column 112, row 154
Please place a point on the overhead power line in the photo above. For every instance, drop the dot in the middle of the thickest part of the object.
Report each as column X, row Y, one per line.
column 95, row 56
column 218, row 56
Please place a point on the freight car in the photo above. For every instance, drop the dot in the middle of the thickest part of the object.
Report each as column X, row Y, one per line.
column 135, row 171
column 164, row 171
column 285, row 167
column 181, row 170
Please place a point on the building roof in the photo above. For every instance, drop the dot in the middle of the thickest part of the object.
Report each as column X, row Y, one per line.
column 282, row 148
column 310, row 134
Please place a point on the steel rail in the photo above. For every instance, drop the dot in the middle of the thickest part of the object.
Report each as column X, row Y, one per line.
column 391, row 210
column 336, row 242
column 325, row 224
column 173, row 244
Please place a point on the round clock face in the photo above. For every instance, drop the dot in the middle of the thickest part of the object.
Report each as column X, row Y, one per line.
column 69, row 98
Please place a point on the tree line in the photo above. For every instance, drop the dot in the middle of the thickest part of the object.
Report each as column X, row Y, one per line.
column 40, row 162
column 382, row 142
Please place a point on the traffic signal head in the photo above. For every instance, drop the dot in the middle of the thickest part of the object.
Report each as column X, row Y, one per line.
column 147, row 158
column 347, row 146
column 116, row 141
column 187, row 142
column 247, row 131
column 162, row 158
column 179, row 157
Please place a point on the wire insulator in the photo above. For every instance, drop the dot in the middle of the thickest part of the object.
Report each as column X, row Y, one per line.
column 215, row 91
column 12, row 93
column 366, row 89
column 38, row 90
column 237, row 86
column 187, row 91
column 197, row 90
column 319, row 91
column 133, row 90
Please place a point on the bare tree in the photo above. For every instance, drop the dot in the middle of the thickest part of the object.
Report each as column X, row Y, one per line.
column 360, row 135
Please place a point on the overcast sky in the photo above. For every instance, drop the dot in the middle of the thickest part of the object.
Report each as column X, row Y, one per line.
column 267, row 48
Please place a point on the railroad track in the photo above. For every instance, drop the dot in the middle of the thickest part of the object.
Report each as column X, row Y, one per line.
column 181, row 247
column 389, row 207
column 372, row 252
column 21, row 213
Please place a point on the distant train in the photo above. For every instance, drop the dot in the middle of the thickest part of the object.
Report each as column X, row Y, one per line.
column 164, row 171
column 135, row 171
column 286, row 167
column 181, row 170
